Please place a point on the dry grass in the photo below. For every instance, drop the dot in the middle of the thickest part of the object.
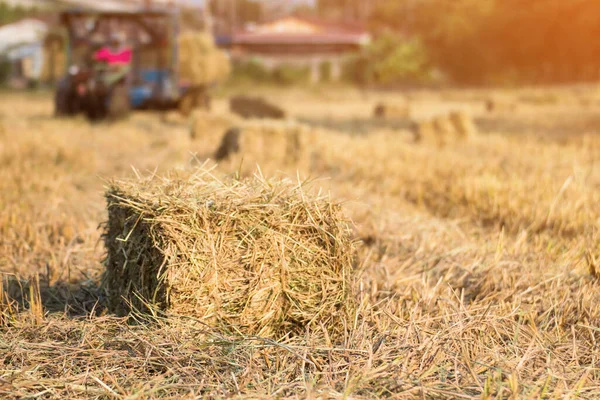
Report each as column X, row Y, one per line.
column 476, row 273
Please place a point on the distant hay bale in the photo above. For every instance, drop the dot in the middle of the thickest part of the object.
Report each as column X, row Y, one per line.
column 463, row 125
column 209, row 126
column 255, row 107
column 277, row 141
column 200, row 61
column 397, row 110
column 498, row 104
column 274, row 140
column 444, row 130
column 294, row 145
column 542, row 98
column 424, row 131
column 253, row 257
column 443, row 125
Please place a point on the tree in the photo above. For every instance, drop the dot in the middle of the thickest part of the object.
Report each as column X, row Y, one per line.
column 477, row 41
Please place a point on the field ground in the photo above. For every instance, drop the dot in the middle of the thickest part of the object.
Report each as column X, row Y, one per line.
column 479, row 260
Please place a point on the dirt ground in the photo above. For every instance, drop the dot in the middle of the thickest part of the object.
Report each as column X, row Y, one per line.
column 477, row 267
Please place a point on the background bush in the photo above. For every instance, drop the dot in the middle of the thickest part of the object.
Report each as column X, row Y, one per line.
column 255, row 71
column 391, row 60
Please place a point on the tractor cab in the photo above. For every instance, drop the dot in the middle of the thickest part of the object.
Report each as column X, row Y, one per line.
column 119, row 60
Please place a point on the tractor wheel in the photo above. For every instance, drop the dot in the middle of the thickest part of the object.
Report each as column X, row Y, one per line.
column 94, row 106
column 65, row 99
column 60, row 100
column 118, row 106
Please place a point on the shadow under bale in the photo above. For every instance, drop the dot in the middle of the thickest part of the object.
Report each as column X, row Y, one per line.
column 255, row 107
column 38, row 295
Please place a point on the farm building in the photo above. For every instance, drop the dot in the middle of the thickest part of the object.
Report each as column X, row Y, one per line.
column 21, row 46
column 299, row 41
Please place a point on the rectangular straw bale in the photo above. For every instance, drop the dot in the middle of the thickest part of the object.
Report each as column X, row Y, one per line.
column 277, row 141
column 209, row 126
column 464, row 125
column 256, row 257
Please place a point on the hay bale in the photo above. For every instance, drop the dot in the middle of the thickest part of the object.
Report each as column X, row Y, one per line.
column 209, row 126
column 255, row 107
column 200, row 61
column 275, row 141
column 439, row 131
column 424, row 131
column 294, row 145
column 463, row 125
column 443, row 125
column 499, row 105
column 444, row 130
column 255, row 256
column 396, row 110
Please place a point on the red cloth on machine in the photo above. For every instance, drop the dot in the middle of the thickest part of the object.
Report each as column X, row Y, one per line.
column 117, row 58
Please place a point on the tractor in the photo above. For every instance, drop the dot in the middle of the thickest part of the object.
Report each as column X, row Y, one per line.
column 123, row 60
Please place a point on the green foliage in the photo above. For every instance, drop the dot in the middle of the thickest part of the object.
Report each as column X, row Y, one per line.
column 9, row 14
column 4, row 71
column 325, row 71
column 289, row 75
column 483, row 41
column 252, row 70
column 339, row 9
column 255, row 71
column 396, row 60
column 391, row 60
column 245, row 11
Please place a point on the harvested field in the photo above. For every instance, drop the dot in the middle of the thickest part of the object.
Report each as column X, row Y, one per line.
column 474, row 272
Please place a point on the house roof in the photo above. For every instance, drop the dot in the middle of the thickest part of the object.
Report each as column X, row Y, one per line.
column 301, row 30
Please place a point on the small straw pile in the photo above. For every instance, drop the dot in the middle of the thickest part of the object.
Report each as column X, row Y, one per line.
column 279, row 141
column 275, row 140
column 200, row 61
column 392, row 110
column 463, row 124
column 210, row 126
column 446, row 129
column 252, row 257
column 500, row 104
